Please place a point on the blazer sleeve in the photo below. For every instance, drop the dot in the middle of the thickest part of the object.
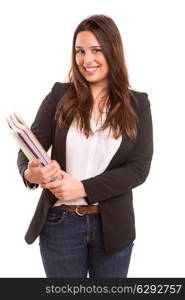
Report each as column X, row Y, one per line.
column 133, row 172
column 43, row 126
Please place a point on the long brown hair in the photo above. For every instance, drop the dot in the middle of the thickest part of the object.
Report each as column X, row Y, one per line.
column 78, row 102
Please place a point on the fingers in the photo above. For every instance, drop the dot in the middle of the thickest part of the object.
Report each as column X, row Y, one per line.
column 54, row 172
column 52, row 184
column 34, row 163
column 52, row 166
column 43, row 175
column 49, row 174
column 58, row 195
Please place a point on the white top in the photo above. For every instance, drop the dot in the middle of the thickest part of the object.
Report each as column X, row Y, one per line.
column 88, row 157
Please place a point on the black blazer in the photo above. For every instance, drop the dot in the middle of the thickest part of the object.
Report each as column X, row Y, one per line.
column 128, row 169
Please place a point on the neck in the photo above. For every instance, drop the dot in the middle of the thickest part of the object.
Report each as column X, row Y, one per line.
column 98, row 90
column 99, row 97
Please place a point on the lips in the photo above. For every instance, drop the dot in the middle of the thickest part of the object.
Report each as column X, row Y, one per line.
column 91, row 69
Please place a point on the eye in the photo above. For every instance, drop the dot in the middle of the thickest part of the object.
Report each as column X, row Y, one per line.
column 79, row 51
column 96, row 50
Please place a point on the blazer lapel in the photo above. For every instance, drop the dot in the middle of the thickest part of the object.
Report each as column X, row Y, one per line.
column 121, row 154
column 59, row 147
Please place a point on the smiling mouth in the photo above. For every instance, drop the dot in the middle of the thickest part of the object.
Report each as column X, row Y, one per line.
column 91, row 70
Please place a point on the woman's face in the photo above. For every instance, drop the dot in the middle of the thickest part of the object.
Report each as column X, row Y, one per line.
column 90, row 59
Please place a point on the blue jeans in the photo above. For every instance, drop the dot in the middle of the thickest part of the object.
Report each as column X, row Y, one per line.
column 72, row 246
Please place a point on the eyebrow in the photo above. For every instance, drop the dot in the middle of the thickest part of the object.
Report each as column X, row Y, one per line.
column 89, row 47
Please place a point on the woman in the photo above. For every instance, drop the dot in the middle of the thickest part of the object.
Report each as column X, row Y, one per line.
column 101, row 136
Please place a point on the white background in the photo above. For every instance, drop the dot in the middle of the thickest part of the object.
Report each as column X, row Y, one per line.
column 36, row 39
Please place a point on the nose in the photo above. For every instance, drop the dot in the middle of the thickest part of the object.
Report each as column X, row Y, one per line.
column 88, row 58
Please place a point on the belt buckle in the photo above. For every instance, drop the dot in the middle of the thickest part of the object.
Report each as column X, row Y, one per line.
column 77, row 212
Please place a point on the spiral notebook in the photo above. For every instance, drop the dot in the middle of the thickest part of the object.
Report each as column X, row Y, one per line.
column 26, row 140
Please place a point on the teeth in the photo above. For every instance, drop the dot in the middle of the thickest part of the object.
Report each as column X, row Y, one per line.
column 91, row 69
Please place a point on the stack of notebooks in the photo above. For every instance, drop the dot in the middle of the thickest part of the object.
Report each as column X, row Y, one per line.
column 26, row 140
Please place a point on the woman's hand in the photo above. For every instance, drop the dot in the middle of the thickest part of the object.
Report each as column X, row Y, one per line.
column 67, row 188
column 42, row 175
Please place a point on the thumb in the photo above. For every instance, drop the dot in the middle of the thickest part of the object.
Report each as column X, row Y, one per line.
column 34, row 163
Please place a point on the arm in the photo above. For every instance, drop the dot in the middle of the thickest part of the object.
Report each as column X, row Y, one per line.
column 43, row 127
column 132, row 172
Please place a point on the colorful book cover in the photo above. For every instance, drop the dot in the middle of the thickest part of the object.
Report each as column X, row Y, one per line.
column 26, row 140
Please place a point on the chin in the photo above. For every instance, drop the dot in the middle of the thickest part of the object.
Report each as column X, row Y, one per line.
column 93, row 80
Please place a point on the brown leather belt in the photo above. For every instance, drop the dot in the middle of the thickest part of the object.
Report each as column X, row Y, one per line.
column 81, row 209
